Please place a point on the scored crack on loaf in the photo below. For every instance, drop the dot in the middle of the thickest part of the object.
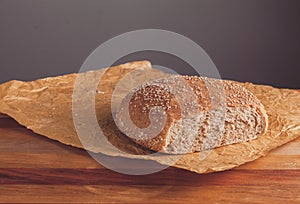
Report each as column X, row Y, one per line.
column 199, row 114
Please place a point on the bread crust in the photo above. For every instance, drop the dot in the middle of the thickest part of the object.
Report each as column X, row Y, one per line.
column 185, row 97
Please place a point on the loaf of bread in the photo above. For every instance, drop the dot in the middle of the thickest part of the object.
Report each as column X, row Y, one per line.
column 185, row 114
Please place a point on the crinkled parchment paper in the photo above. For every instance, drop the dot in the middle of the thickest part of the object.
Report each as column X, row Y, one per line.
column 45, row 106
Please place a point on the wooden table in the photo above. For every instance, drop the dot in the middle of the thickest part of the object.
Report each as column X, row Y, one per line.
column 36, row 169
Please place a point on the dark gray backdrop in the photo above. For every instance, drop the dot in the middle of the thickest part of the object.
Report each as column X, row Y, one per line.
column 249, row 40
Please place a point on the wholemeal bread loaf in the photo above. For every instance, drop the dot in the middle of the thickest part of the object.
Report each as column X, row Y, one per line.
column 184, row 114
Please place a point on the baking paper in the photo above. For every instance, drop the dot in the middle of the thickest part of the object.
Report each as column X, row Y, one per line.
column 48, row 107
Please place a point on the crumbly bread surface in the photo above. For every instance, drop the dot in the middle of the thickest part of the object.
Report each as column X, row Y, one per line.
column 194, row 114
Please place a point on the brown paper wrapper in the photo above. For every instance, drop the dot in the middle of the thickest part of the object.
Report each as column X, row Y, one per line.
column 45, row 106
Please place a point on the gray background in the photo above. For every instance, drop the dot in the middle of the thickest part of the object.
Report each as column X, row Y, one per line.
column 249, row 40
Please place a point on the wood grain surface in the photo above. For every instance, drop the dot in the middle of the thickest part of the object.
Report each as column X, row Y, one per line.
column 34, row 169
